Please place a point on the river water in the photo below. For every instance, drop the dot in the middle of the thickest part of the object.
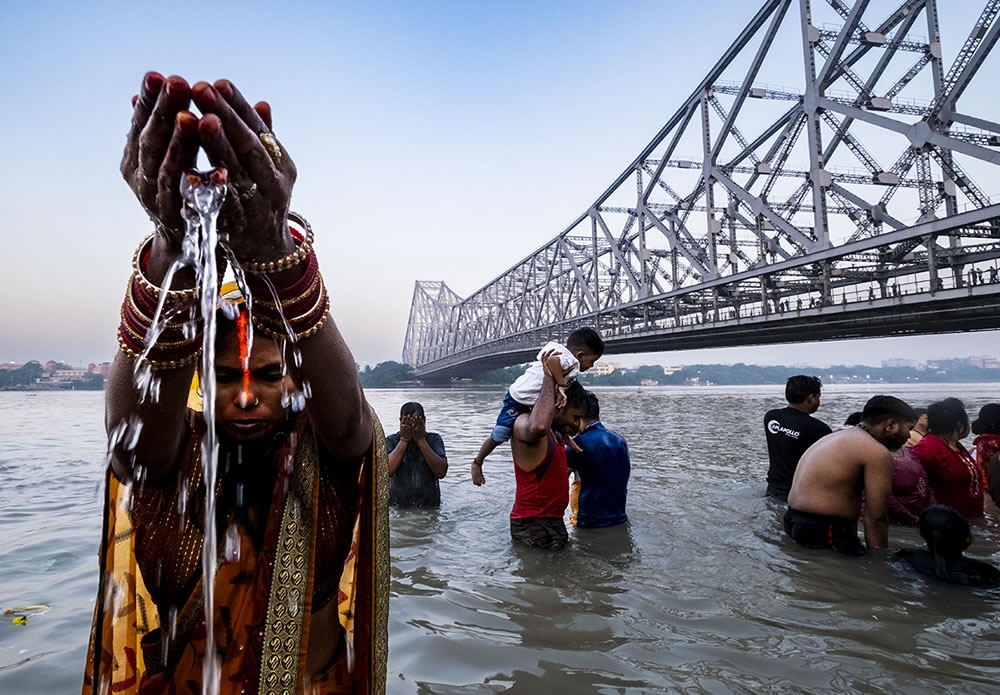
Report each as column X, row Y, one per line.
column 701, row 593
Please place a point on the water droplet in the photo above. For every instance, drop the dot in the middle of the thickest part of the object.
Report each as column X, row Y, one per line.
column 286, row 398
column 307, row 388
column 297, row 357
column 134, row 429
column 298, row 402
column 182, row 498
column 232, row 549
column 239, row 494
column 172, row 618
column 190, row 330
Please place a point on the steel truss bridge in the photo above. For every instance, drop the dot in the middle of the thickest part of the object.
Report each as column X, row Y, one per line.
column 847, row 207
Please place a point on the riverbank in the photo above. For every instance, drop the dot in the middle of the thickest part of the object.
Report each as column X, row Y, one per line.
column 398, row 375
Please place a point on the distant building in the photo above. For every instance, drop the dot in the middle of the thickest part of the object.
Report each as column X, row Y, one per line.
column 67, row 374
column 667, row 371
column 897, row 362
column 9, row 365
column 984, row 362
column 104, row 369
column 603, row 368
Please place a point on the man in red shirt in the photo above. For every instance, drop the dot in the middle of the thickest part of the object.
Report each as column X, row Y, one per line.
column 540, row 462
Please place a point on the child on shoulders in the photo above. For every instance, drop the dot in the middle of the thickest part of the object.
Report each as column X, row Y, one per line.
column 583, row 348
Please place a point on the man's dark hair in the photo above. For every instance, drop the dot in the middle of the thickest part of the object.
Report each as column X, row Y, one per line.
column 593, row 411
column 944, row 417
column 800, row 387
column 853, row 419
column 878, row 409
column 576, row 395
column 945, row 530
column 585, row 338
column 920, row 412
column 411, row 407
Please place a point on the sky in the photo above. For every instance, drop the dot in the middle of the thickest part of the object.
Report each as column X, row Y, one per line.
column 433, row 141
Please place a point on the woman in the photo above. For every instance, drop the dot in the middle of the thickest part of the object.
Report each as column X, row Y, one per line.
column 954, row 476
column 987, row 443
column 919, row 430
column 300, row 584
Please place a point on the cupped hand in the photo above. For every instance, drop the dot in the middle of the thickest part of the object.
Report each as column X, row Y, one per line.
column 406, row 427
column 419, row 428
column 162, row 143
column 238, row 136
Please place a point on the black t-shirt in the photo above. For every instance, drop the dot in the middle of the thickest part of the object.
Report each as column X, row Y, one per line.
column 789, row 433
column 414, row 484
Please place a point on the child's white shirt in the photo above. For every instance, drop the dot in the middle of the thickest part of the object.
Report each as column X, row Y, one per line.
column 526, row 387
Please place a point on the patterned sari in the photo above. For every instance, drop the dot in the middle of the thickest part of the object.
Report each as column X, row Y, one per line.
column 263, row 591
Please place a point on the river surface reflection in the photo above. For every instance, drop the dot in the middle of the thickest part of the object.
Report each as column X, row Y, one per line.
column 700, row 593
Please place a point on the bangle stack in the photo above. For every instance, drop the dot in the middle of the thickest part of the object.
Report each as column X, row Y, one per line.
column 303, row 303
column 172, row 348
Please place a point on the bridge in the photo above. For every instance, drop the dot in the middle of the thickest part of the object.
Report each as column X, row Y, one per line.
column 846, row 207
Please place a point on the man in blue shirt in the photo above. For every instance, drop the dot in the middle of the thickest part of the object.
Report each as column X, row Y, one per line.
column 604, row 468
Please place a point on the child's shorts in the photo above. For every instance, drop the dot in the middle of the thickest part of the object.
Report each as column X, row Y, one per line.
column 509, row 412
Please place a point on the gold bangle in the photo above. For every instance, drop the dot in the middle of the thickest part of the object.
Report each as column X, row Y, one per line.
column 157, row 365
column 291, row 260
column 319, row 300
column 289, row 302
column 279, row 335
column 148, row 320
column 159, row 343
column 173, row 295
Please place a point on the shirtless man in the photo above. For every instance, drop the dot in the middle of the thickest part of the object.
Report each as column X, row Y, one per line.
column 825, row 500
column 540, row 462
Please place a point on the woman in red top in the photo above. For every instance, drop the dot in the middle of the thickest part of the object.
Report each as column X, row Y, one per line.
column 987, row 426
column 955, row 478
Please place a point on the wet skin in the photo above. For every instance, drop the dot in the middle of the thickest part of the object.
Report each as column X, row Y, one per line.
column 254, row 415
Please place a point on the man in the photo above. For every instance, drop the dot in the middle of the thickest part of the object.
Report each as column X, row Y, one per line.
column 790, row 431
column 540, row 470
column 604, row 468
column 825, row 500
column 298, row 588
column 416, row 461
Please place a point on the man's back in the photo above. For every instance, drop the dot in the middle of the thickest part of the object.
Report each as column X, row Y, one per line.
column 831, row 475
column 604, row 470
column 789, row 433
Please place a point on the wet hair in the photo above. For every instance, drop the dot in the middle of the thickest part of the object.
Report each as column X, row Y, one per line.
column 944, row 417
column 853, row 419
column 878, row 409
column 945, row 531
column 585, row 339
column 988, row 421
column 576, row 395
column 411, row 407
column 593, row 411
column 800, row 387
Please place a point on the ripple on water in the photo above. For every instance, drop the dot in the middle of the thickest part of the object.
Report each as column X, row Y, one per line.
column 701, row 593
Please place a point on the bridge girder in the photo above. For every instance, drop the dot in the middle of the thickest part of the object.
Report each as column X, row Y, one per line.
column 779, row 205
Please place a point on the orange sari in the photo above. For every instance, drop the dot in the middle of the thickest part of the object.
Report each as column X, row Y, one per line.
column 263, row 596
